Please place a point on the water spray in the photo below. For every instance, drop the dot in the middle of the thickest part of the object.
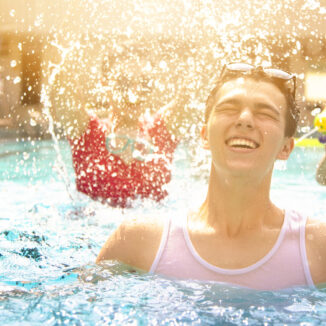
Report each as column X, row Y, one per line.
column 45, row 100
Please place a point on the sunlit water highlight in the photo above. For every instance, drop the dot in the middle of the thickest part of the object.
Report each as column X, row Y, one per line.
column 49, row 244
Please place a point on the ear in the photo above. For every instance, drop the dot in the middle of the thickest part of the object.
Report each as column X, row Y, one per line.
column 204, row 138
column 287, row 149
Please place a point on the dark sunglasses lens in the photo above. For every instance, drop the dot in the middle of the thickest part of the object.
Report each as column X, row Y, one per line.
column 239, row 66
column 277, row 73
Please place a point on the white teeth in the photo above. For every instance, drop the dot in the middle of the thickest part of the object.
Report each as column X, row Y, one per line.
column 241, row 142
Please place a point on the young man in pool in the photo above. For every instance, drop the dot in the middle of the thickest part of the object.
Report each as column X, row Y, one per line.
column 238, row 235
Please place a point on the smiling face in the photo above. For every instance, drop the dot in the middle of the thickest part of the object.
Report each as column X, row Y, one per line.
column 246, row 128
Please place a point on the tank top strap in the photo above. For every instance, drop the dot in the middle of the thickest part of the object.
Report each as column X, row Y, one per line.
column 164, row 238
column 297, row 226
column 303, row 250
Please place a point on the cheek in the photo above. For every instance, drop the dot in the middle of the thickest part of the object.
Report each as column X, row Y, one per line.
column 274, row 129
column 220, row 122
column 213, row 130
column 218, row 127
column 273, row 138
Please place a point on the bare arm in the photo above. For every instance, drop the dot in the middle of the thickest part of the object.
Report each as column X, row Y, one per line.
column 316, row 250
column 321, row 171
column 134, row 243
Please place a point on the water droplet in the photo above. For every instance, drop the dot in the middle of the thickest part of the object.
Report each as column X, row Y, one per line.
column 163, row 65
column 301, row 76
column 32, row 122
column 315, row 111
column 16, row 80
column 132, row 97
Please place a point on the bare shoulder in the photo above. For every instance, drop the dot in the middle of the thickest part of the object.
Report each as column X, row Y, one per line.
column 316, row 249
column 135, row 242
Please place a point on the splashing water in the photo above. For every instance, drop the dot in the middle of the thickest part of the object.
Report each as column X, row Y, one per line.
column 45, row 100
column 177, row 45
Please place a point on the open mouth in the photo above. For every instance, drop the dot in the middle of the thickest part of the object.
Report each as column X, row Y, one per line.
column 242, row 143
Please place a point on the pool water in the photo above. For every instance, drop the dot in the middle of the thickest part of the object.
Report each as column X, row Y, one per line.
column 50, row 236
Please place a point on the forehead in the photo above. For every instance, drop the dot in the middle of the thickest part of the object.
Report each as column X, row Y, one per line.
column 248, row 89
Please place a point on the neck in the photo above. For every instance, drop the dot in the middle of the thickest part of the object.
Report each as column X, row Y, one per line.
column 238, row 205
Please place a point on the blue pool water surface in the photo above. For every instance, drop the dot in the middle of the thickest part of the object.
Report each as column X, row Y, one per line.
column 50, row 236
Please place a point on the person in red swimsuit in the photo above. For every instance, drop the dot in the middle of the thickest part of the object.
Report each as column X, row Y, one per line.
column 126, row 156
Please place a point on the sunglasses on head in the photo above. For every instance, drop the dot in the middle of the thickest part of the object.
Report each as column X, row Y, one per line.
column 274, row 73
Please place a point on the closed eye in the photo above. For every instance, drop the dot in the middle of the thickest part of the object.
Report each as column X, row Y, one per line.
column 267, row 110
column 268, row 113
column 226, row 108
column 229, row 106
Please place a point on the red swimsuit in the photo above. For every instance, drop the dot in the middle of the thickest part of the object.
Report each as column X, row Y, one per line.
column 103, row 175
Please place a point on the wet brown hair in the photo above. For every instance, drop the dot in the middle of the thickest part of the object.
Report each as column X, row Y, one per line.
column 292, row 112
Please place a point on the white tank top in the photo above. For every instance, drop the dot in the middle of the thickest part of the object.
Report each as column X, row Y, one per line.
column 284, row 266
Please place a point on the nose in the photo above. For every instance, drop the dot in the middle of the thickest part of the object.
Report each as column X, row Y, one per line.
column 245, row 119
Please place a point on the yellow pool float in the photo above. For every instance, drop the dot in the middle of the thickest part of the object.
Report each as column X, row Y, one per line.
column 320, row 126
